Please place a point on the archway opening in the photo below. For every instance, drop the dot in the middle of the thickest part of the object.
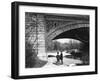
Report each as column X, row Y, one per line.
column 74, row 44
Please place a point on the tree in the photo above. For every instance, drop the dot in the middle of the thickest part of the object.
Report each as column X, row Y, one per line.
column 56, row 46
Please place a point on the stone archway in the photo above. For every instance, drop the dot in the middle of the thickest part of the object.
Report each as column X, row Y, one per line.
column 55, row 32
column 43, row 28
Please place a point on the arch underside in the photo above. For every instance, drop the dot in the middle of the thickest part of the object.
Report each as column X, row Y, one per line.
column 81, row 34
column 78, row 31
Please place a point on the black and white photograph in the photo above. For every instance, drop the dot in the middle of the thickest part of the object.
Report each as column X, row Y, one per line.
column 50, row 40
column 54, row 40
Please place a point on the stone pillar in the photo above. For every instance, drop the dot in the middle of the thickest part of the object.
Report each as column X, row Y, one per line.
column 41, row 37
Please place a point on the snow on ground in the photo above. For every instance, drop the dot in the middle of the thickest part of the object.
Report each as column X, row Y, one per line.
column 67, row 62
column 55, row 53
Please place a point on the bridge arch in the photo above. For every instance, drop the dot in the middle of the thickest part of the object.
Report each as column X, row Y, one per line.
column 58, row 30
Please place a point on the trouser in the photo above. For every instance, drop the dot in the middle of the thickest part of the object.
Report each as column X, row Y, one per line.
column 62, row 61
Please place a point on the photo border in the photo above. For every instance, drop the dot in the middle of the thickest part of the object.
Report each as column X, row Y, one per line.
column 15, row 39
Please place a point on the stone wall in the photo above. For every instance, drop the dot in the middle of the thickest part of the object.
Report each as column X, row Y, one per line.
column 35, row 33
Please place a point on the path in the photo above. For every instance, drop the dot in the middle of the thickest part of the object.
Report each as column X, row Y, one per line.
column 66, row 62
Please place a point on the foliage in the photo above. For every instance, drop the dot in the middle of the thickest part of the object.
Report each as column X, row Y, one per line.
column 30, row 55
